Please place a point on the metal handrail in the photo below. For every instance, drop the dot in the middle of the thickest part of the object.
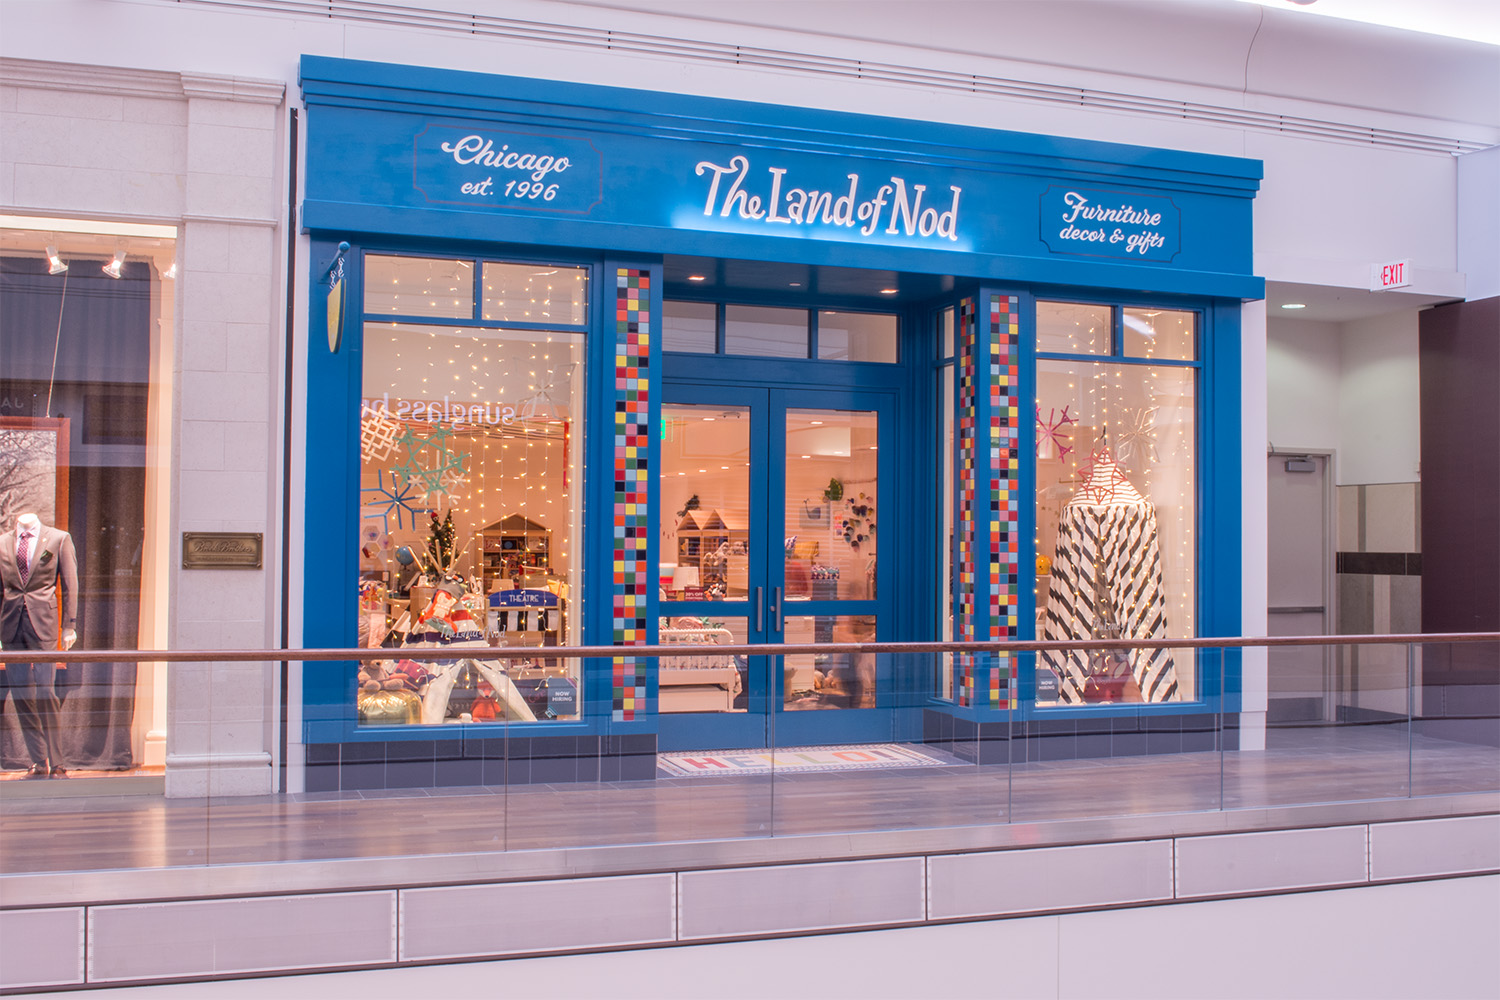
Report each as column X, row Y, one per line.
column 425, row 653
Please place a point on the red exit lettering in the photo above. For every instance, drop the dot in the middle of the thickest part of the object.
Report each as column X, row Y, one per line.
column 1390, row 275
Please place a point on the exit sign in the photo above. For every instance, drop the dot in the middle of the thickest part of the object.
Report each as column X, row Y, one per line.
column 1396, row 274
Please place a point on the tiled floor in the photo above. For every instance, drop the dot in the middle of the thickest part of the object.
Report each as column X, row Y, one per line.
column 1301, row 766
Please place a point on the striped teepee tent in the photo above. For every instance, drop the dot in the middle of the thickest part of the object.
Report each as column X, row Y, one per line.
column 1107, row 582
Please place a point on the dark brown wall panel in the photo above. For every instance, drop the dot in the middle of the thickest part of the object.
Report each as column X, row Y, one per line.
column 1460, row 412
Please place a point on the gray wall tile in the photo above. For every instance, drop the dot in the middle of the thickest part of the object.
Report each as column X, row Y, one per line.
column 520, row 917
column 1260, row 862
column 41, row 947
column 1435, row 847
column 1406, row 605
column 1356, row 604
column 746, row 901
column 1390, row 517
column 1000, row 882
column 225, row 936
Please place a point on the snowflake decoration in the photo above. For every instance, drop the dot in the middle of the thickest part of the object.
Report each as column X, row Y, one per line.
column 541, row 403
column 451, row 480
column 430, row 463
column 1137, row 441
column 1052, row 438
column 438, row 438
column 444, row 479
column 397, row 498
column 378, row 436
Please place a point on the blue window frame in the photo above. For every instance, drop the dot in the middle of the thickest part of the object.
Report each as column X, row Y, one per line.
column 1202, row 363
column 458, row 306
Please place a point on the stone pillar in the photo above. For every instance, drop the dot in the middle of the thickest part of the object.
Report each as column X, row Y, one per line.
column 222, row 717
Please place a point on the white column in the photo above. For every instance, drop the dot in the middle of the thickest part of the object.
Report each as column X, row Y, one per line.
column 1254, row 530
column 222, row 716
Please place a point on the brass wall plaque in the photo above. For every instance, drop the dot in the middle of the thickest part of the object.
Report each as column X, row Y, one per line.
column 221, row 549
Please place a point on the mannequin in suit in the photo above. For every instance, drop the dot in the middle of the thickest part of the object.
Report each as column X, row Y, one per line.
column 35, row 561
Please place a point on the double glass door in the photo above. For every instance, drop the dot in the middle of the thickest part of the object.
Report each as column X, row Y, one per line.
column 771, row 511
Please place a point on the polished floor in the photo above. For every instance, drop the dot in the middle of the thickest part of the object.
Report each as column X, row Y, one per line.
column 45, row 833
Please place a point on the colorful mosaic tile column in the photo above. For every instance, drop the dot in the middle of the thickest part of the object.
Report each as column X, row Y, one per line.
column 1005, row 471
column 968, row 414
column 632, row 472
column 989, row 513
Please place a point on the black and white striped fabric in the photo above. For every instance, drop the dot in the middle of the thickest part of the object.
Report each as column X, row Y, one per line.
column 1107, row 569
column 523, row 619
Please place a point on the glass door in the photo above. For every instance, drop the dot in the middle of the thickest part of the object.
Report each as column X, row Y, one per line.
column 771, row 509
column 711, row 517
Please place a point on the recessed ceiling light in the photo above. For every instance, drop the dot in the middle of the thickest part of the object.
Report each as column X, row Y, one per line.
column 888, row 291
column 796, row 284
column 697, row 277
column 1294, row 305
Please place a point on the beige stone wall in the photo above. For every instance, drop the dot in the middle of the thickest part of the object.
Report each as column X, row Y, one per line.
column 206, row 154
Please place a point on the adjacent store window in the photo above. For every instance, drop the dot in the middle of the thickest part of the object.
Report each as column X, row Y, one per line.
column 470, row 481
column 85, row 440
column 1116, row 508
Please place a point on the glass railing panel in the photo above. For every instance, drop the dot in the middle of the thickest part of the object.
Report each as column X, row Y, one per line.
column 904, row 762
column 84, row 785
column 684, row 763
column 550, row 768
column 390, row 736
column 1114, row 753
column 1455, row 746
column 1345, row 740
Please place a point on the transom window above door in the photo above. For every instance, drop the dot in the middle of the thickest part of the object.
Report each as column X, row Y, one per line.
column 777, row 332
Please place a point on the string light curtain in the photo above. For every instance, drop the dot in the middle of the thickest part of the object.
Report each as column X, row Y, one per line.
column 1126, row 400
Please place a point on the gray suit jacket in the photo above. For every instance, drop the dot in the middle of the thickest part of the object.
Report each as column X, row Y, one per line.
column 55, row 564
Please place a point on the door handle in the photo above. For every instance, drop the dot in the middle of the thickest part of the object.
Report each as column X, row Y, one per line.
column 777, row 622
column 760, row 609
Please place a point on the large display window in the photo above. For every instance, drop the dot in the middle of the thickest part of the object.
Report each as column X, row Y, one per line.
column 1116, row 499
column 86, row 314
column 470, row 485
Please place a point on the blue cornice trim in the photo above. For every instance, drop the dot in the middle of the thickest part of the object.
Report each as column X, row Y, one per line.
column 392, row 87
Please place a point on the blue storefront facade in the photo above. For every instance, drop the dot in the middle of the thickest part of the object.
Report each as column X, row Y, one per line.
column 610, row 367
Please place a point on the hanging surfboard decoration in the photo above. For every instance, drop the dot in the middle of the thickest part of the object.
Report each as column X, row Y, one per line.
column 337, row 291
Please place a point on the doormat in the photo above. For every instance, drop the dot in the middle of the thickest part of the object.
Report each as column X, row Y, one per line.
column 802, row 760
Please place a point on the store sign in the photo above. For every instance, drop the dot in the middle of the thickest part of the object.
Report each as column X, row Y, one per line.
column 511, row 170
column 777, row 197
column 562, row 697
column 1396, row 274
column 1096, row 223
column 221, row 549
column 1048, row 685
column 444, row 411
column 523, row 599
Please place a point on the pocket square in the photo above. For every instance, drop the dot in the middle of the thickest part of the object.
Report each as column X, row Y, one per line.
column 43, row 561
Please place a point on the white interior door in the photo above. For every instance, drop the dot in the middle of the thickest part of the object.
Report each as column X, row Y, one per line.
column 1301, row 554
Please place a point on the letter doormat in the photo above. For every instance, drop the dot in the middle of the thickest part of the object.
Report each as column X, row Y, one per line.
column 864, row 757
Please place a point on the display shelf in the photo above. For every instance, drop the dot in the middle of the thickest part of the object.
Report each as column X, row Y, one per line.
column 716, row 548
column 512, row 546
